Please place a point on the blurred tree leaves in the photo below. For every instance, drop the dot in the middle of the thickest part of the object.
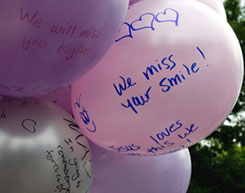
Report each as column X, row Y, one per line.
column 218, row 162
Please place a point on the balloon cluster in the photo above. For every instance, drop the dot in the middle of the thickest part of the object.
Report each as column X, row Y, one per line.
column 162, row 83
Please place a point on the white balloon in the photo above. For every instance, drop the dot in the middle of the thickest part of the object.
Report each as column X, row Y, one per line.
column 41, row 149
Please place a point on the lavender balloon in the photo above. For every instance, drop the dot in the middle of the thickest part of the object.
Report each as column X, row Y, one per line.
column 117, row 173
column 46, row 44
column 61, row 97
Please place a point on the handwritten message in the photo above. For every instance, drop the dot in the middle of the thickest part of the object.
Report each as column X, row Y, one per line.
column 70, row 169
column 162, row 76
column 176, row 130
column 64, row 176
column 166, row 84
column 66, row 31
column 73, row 126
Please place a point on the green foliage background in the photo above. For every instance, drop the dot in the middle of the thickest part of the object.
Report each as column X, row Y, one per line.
column 219, row 166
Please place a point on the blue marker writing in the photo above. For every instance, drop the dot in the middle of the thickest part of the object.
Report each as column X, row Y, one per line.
column 139, row 24
column 126, row 84
column 167, row 63
column 166, row 132
column 137, row 101
column 167, row 83
column 190, row 130
column 85, row 116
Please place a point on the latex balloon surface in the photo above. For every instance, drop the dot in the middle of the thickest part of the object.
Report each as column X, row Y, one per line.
column 128, row 174
column 61, row 97
column 217, row 5
column 41, row 149
column 170, row 79
column 45, row 45
column 131, row 2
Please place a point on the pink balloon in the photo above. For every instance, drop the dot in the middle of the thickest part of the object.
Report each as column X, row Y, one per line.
column 61, row 97
column 217, row 5
column 172, row 77
column 45, row 45
column 118, row 173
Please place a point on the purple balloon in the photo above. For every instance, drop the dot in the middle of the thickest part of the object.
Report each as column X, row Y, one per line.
column 117, row 173
column 45, row 45
column 131, row 2
column 61, row 97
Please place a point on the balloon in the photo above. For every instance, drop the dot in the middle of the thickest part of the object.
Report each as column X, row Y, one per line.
column 128, row 174
column 41, row 149
column 61, row 97
column 217, row 5
column 131, row 2
column 45, row 45
column 170, row 79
